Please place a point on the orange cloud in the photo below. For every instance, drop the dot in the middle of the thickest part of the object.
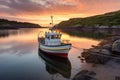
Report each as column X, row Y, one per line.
column 39, row 11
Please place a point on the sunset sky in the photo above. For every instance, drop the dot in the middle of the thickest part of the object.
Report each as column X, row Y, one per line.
column 39, row 11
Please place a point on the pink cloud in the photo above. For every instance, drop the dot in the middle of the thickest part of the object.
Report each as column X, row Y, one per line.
column 70, row 8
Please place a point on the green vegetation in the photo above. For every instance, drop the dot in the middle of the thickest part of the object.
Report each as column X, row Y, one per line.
column 108, row 19
column 6, row 24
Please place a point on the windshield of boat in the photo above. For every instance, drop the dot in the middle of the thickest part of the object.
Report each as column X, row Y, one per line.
column 57, row 36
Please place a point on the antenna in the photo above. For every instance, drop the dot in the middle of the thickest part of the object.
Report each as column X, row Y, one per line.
column 52, row 21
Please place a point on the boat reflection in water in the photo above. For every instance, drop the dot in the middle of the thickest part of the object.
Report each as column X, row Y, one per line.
column 55, row 65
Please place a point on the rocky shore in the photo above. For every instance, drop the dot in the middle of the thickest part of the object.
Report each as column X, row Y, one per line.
column 85, row 75
column 101, row 53
column 100, row 62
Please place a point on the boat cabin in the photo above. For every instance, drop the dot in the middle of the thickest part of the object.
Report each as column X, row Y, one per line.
column 53, row 38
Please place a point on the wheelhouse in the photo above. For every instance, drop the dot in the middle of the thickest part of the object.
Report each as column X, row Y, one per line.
column 53, row 38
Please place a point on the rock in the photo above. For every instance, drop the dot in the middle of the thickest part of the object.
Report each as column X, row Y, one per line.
column 95, row 46
column 94, row 58
column 102, row 53
column 79, row 56
column 92, row 73
column 86, row 50
column 107, row 46
column 105, row 51
column 83, row 72
column 117, row 61
column 95, row 50
column 103, row 42
column 116, row 46
column 115, row 38
column 85, row 75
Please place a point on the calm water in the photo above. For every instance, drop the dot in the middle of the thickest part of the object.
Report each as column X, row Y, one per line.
column 20, row 58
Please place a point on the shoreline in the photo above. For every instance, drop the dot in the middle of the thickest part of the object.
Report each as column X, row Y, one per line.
column 99, row 61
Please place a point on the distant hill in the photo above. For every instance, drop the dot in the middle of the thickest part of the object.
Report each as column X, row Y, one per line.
column 107, row 19
column 7, row 24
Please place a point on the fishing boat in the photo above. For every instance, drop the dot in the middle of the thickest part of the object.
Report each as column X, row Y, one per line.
column 50, row 42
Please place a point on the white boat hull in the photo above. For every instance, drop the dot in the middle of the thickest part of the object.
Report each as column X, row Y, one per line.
column 60, row 50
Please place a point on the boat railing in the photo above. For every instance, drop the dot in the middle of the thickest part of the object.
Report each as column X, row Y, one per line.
column 41, row 37
column 41, row 40
column 40, row 34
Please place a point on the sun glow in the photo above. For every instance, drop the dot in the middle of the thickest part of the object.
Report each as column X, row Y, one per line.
column 39, row 11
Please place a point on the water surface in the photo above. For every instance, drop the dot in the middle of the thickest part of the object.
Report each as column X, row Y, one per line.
column 20, row 58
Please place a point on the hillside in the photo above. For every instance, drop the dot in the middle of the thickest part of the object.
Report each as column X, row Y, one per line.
column 6, row 24
column 107, row 19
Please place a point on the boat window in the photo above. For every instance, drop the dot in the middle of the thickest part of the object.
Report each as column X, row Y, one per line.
column 47, row 37
column 55, row 36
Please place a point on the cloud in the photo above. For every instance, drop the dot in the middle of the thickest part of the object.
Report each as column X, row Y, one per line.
column 27, row 9
column 19, row 6
column 14, row 7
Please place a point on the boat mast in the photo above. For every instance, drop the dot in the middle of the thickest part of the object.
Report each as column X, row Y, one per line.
column 52, row 21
